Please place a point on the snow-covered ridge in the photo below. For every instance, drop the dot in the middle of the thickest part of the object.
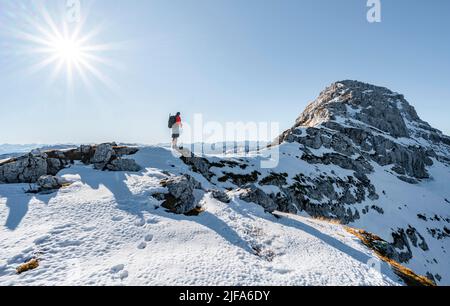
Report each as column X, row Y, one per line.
column 106, row 228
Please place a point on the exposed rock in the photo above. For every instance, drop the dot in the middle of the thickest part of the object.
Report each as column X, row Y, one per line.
column 355, row 118
column 24, row 169
column 123, row 150
column 275, row 179
column 240, row 179
column 180, row 198
column 253, row 194
column 198, row 164
column 49, row 182
column 86, row 153
column 220, row 196
column 120, row 164
column 285, row 203
column 416, row 238
column 102, row 156
column 403, row 252
column 29, row 168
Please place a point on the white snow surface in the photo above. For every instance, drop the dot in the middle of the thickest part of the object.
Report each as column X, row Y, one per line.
column 106, row 229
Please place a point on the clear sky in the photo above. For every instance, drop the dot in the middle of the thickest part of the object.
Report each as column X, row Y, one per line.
column 231, row 60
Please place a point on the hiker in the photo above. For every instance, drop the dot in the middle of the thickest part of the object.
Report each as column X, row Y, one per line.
column 175, row 124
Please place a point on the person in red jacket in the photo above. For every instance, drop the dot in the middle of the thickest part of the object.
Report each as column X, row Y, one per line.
column 176, row 130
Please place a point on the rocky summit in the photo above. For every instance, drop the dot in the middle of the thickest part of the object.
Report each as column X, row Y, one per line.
column 373, row 123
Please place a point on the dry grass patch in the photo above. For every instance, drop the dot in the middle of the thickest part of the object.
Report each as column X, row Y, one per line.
column 407, row 275
column 30, row 265
column 195, row 212
column 329, row 220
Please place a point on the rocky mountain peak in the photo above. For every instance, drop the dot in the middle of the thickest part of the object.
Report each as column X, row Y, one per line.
column 353, row 118
column 364, row 105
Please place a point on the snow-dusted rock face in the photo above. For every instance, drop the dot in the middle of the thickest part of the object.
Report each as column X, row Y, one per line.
column 354, row 118
column 360, row 154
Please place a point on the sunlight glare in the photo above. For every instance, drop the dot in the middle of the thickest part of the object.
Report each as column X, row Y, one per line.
column 67, row 50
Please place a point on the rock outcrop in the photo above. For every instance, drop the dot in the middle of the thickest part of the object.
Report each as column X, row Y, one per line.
column 374, row 123
column 25, row 169
column 121, row 164
column 29, row 168
column 180, row 198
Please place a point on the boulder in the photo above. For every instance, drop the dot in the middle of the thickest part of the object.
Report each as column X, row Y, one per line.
column 102, row 156
column 180, row 198
column 49, row 182
column 220, row 196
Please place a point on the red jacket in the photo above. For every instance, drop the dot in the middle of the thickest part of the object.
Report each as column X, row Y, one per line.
column 179, row 120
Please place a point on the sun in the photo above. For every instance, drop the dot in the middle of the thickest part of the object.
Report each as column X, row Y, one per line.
column 67, row 49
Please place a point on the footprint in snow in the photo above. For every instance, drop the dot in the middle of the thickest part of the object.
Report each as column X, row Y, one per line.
column 140, row 222
column 142, row 245
column 117, row 268
column 123, row 275
column 42, row 240
column 117, row 218
column 148, row 237
column 152, row 221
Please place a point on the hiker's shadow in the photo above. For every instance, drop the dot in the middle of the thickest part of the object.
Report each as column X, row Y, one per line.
column 116, row 183
column 358, row 255
column 18, row 202
column 212, row 222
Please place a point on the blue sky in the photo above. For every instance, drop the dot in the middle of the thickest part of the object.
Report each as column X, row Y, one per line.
column 231, row 60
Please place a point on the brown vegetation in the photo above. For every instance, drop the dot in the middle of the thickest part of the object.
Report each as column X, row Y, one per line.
column 407, row 275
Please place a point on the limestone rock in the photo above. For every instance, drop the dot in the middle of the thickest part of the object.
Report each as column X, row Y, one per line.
column 180, row 198
column 220, row 196
column 102, row 156
column 24, row 169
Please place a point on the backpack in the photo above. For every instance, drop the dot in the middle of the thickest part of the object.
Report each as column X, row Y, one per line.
column 172, row 121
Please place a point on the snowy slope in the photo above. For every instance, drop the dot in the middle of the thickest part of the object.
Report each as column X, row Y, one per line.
column 106, row 229
column 400, row 205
